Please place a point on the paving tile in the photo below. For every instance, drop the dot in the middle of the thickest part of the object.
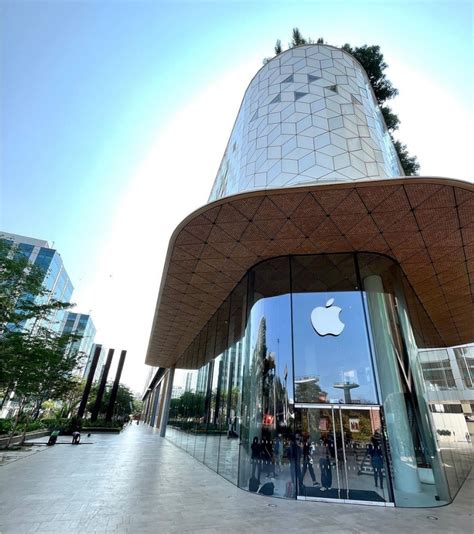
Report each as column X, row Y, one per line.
column 137, row 482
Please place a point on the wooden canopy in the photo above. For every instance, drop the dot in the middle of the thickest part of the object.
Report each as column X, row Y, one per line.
column 425, row 224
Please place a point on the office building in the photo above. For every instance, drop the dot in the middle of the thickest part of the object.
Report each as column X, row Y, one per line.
column 324, row 302
column 100, row 362
column 56, row 281
column 82, row 326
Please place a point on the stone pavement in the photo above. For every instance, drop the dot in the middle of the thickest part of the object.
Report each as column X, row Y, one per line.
column 137, row 482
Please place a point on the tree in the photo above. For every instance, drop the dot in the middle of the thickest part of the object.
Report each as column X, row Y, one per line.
column 297, row 39
column 34, row 361
column 372, row 61
column 72, row 398
column 374, row 65
column 38, row 367
column 22, row 295
column 409, row 163
column 278, row 47
column 309, row 391
column 124, row 402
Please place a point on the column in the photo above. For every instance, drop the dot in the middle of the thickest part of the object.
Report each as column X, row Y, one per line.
column 113, row 393
column 167, row 402
column 396, row 418
column 429, row 438
column 101, row 390
column 90, row 377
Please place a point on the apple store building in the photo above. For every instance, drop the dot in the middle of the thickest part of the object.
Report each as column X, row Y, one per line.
column 313, row 335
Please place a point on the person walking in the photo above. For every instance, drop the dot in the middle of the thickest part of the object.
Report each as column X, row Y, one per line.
column 308, row 462
column 376, row 459
column 326, row 472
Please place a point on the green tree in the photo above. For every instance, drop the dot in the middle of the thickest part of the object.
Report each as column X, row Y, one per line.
column 297, row 39
column 22, row 295
column 309, row 391
column 38, row 367
column 278, row 47
column 124, row 402
column 73, row 396
column 34, row 362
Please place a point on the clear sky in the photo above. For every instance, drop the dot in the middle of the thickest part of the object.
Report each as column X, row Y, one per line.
column 115, row 115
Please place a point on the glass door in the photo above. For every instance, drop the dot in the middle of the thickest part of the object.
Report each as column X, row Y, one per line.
column 342, row 455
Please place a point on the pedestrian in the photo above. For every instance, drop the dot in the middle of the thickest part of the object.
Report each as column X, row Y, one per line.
column 76, row 437
column 308, row 462
column 376, row 458
column 326, row 472
column 53, row 437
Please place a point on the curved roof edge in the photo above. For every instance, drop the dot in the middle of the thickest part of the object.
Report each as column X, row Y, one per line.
column 424, row 223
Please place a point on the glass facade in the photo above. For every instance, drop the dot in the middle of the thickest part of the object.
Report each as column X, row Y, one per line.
column 320, row 377
column 56, row 283
column 81, row 325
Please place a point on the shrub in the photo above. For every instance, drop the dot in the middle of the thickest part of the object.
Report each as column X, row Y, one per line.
column 101, row 423
column 5, row 426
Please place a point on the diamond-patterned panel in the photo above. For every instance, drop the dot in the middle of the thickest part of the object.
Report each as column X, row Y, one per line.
column 412, row 220
column 306, row 120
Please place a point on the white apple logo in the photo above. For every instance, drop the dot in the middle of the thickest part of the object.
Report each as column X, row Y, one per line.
column 326, row 320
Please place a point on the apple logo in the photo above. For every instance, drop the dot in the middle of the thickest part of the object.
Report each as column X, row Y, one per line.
column 325, row 320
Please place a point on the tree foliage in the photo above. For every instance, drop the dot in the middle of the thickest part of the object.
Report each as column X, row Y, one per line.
column 124, row 402
column 278, row 47
column 35, row 361
column 372, row 61
column 297, row 39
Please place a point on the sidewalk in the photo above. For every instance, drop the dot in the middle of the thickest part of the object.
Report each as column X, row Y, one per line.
column 137, row 482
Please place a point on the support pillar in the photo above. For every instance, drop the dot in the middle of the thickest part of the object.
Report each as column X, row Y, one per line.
column 90, row 378
column 167, row 402
column 103, row 383
column 429, row 437
column 113, row 394
column 398, row 428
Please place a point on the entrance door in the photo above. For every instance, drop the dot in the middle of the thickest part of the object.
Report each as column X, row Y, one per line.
column 342, row 454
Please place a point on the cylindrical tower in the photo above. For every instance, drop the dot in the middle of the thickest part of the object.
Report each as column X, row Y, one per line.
column 308, row 116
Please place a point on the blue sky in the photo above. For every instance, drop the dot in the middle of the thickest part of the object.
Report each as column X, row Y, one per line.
column 99, row 100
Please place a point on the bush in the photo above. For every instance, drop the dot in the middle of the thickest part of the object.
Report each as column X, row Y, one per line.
column 5, row 425
column 31, row 426
column 63, row 424
column 101, row 423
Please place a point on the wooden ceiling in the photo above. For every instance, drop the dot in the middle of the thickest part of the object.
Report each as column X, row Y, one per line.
column 425, row 224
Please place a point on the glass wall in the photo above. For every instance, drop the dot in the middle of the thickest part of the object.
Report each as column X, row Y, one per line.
column 321, row 377
column 331, row 346
column 267, row 393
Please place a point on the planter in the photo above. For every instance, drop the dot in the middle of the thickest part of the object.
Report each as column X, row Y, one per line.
column 29, row 436
column 97, row 429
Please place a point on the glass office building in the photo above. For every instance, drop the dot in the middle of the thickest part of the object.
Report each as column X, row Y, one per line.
column 316, row 316
column 82, row 326
column 56, row 282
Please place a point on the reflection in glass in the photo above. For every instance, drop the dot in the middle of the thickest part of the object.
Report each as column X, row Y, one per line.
column 267, row 423
column 465, row 360
column 331, row 350
column 237, row 407
column 342, row 454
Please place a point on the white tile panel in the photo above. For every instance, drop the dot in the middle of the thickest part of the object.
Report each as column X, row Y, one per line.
column 323, row 135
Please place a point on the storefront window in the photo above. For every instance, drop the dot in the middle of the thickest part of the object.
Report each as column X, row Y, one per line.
column 309, row 369
column 268, row 390
column 331, row 349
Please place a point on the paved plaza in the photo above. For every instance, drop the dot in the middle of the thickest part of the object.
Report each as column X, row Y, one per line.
column 137, row 482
